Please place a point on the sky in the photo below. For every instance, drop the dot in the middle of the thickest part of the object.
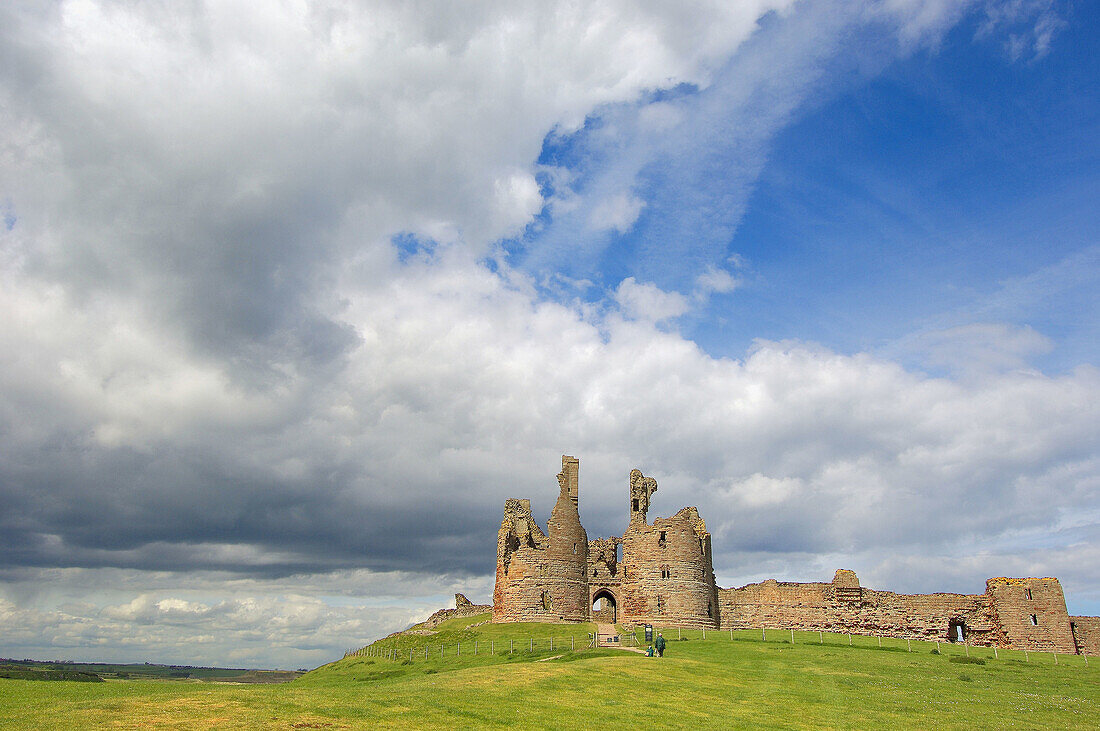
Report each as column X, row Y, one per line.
column 294, row 297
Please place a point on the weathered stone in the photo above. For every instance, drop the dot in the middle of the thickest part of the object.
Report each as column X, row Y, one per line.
column 463, row 608
column 665, row 576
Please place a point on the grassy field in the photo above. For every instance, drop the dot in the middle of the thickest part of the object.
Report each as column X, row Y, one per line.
column 819, row 681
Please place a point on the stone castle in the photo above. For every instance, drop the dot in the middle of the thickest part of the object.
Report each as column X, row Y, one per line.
column 661, row 573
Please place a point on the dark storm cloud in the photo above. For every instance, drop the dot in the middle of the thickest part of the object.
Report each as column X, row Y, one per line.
column 212, row 359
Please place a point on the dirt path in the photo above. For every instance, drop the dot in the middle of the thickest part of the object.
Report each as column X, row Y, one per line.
column 605, row 631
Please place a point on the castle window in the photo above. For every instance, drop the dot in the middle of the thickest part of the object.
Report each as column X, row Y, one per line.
column 1034, row 619
column 710, row 610
column 666, row 572
column 574, row 548
column 1027, row 593
column 661, row 540
column 635, row 505
column 660, row 605
column 547, row 602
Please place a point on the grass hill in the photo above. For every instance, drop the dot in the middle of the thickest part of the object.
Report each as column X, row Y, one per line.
column 722, row 681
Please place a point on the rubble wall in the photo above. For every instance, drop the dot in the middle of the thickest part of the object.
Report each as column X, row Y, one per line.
column 840, row 607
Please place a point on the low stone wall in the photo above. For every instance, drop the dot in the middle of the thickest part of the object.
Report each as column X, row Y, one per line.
column 831, row 608
column 463, row 608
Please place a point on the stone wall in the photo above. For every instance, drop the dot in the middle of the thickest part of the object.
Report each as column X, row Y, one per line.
column 1031, row 613
column 843, row 606
column 665, row 576
column 1086, row 634
column 463, row 608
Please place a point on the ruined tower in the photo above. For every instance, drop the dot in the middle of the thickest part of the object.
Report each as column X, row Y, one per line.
column 667, row 573
column 543, row 577
column 663, row 573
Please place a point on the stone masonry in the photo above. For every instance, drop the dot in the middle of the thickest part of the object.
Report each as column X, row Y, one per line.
column 662, row 573
column 463, row 608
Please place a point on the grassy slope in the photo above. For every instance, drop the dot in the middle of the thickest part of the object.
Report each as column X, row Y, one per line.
column 711, row 684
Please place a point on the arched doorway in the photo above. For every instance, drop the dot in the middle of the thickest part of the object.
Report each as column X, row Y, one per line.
column 604, row 607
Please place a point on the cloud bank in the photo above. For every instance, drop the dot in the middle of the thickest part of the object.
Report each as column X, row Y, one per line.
column 278, row 340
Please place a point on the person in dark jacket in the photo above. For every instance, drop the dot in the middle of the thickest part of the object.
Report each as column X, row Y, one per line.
column 660, row 645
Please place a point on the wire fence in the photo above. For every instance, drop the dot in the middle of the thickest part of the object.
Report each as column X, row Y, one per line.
column 634, row 637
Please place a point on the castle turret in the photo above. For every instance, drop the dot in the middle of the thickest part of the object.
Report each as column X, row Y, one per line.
column 566, row 593
column 667, row 575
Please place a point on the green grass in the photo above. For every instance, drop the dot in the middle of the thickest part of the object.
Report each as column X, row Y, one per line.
column 716, row 683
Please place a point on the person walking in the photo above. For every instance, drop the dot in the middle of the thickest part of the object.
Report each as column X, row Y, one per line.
column 660, row 644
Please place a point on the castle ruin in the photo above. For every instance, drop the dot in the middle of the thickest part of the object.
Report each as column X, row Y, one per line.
column 661, row 573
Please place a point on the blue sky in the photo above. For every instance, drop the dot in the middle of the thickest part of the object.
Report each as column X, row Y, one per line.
column 294, row 299
column 900, row 196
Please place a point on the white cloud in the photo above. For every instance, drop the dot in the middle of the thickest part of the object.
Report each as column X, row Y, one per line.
column 213, row 360
column 714, row 280
column 976, row 349
column 619, row 212
column 646, row 301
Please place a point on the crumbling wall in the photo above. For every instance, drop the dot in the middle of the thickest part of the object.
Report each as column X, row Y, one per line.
column 463, row 608
column 843, row 606
column 666, row 576
column 1031, row 613
column 603, row 563
column 1086, row 634
column 521, row 564
column 667, row 573
column 543, row 577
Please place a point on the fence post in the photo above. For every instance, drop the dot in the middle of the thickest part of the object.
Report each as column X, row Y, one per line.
column 995, row 655
column 1026, row 658
column 572, row 643
column 792, row 636
column 510, row 644
column 764, row 634
column 425, row 652
column 531, row 647
column 731, row 634
column 677, row 633
column 849, row 639
column 820, row 637
column 908, row 645
column 704, row 633
column 880, row 640
column 410, row 654
column 1055, row 657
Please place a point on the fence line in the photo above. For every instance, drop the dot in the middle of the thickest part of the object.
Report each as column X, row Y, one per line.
column 394, row 652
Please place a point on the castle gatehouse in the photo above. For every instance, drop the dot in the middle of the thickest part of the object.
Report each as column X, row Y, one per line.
column 662, row 573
